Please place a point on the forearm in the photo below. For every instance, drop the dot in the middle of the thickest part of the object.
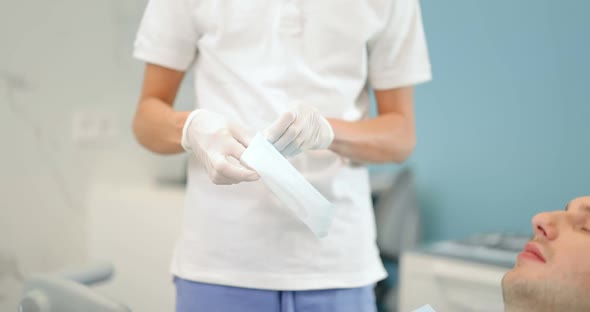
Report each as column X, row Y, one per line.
column 386, row 138
column 158, row 127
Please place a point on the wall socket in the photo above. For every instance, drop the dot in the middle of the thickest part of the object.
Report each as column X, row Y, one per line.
column 94, row 128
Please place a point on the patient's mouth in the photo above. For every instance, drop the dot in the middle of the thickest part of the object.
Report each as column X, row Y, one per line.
column 532, row 252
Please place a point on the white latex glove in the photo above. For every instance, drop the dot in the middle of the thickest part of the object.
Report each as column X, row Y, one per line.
column 215, row 141
column 301, row 128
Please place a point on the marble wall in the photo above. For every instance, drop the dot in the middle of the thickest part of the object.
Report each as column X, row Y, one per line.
column 59, row 59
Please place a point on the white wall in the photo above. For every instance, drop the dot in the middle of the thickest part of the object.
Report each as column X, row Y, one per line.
column 57, row 59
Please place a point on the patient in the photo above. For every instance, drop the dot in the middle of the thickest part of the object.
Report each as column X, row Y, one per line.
column 553, row 271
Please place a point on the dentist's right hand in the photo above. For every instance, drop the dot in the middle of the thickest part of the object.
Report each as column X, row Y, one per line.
column 214, row 140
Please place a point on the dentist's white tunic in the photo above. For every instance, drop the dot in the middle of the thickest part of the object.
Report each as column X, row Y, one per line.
column 251, row 58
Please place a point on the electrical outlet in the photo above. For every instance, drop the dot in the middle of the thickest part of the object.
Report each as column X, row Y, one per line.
column 94, row 128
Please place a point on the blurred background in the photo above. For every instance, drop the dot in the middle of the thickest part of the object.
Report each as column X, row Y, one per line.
column 502, row 134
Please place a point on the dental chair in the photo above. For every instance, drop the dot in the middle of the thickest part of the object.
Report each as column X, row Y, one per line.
column 69, row 292
column 397, row 216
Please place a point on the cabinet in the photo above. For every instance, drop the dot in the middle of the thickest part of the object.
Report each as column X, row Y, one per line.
column 135, row 227
column 449, row 284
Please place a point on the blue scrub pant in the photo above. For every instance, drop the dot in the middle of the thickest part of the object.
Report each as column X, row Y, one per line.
column 200, row 297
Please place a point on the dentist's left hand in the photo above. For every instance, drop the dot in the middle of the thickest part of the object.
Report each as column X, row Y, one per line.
column 214, row 140
column 301, row 128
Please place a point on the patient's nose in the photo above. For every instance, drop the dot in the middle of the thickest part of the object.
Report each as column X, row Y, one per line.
column 545, row 225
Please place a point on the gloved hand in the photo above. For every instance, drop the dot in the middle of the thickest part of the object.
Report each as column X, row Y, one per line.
column 301, row 128
column 214, row 141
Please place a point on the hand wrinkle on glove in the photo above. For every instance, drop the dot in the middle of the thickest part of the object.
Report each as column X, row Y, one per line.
column 214, row 142
column 308, row 204
column 299, row 129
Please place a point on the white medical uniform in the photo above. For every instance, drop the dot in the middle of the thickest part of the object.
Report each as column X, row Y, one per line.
column 251, row 58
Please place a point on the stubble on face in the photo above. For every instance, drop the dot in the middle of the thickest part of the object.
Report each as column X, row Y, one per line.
column 542, row 295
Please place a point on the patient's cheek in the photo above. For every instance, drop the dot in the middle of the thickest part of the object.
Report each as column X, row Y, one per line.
column 581, row 280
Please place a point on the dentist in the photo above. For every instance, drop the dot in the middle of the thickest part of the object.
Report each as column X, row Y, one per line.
column 300, row 72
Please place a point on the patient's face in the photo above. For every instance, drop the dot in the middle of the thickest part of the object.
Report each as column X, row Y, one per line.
column 554, row 268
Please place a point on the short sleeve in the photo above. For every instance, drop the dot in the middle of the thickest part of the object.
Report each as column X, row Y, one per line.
column 398, row 54
column 167, row 35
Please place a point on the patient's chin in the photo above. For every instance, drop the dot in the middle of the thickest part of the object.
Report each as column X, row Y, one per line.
column 509, row 278
column 524, row 288
column 557, row 292
column 524, row 273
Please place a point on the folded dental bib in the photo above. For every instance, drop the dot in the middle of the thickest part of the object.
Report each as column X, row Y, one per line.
column 426, row 308
column 289, row 185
